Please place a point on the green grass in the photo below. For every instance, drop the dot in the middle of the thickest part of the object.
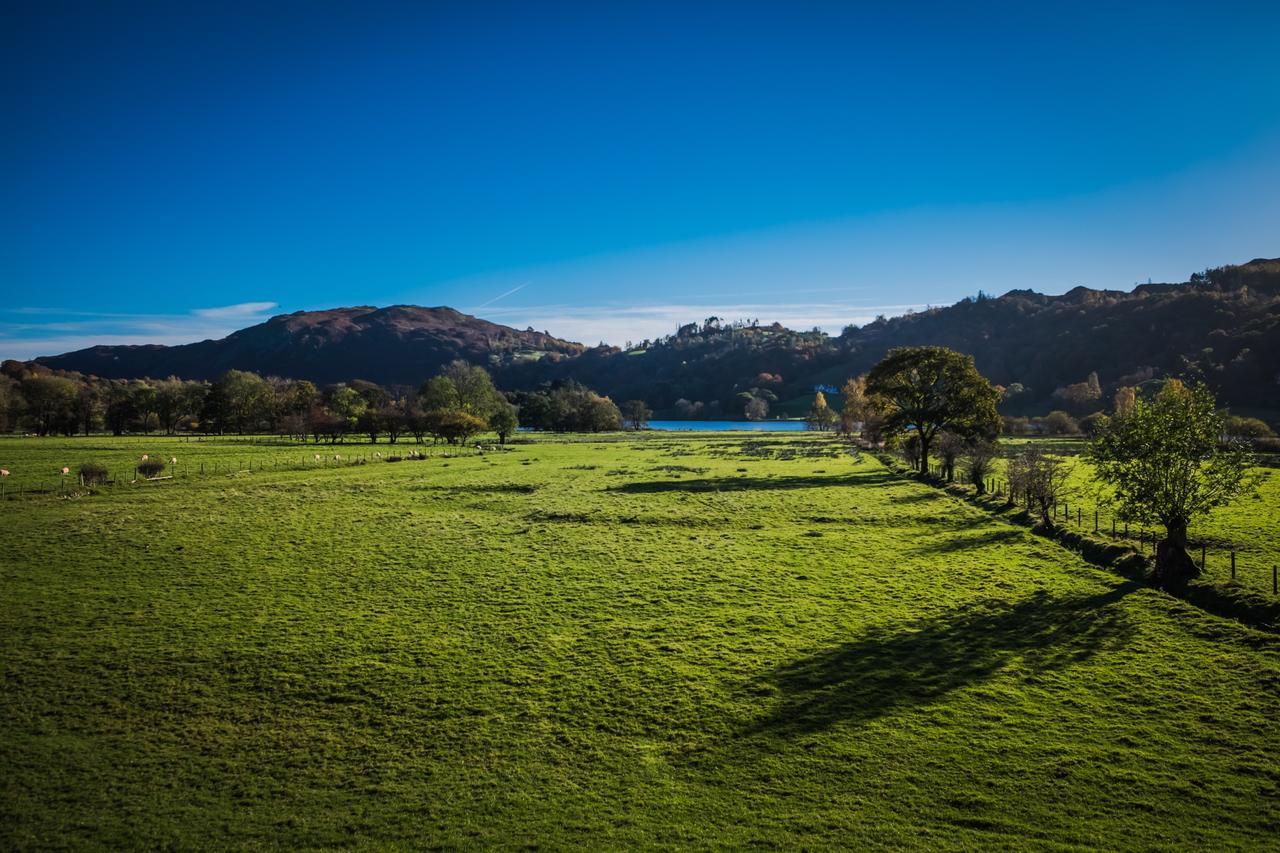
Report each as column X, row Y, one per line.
column 664, row 640
column 1249, row 526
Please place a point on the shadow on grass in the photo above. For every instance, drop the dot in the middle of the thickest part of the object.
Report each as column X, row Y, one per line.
column 479, row 488
column 915, row 497
column 922, row 662
column 951, row 544
column 744, row 484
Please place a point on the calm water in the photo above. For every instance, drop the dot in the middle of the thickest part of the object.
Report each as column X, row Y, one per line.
column 720, row 426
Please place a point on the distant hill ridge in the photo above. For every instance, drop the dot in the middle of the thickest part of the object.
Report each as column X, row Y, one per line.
column 1223, row 324
column 400, row 344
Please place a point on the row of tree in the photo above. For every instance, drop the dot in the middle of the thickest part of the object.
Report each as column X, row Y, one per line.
column 1169, row 455
column 454, row 406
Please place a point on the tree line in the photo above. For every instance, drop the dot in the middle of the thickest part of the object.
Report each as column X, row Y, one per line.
column 454, row 406
column 1168, row 452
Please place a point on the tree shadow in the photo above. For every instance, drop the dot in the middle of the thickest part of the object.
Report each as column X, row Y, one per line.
column 953, row 543
column 917, row 497
column 921, row 662
column 743, row 484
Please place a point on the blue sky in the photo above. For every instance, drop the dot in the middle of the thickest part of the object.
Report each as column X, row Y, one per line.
column 609, row 170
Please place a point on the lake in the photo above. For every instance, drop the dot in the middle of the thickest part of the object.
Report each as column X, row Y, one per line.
column 721, row 426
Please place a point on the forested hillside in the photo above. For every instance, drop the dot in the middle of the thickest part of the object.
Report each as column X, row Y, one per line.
column 1048, row 351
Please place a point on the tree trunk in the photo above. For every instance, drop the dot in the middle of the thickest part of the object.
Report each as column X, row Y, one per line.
column 924, row 452
column 1174, row 566
column 1046, row 517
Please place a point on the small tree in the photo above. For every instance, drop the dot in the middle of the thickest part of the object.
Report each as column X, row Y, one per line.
column 456, row 427
column 949, row 446
column 1060, row 423
column 910, row 450
column 757, row 409
column 1167, row 464
column 636, row 414
column 503, row 421
column 856, row 406
column 978, row 457
column 1041, row 478
column 820, row 416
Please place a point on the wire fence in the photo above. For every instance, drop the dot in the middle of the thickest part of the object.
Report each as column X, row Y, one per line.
column 67, row 482
column 1217, row 559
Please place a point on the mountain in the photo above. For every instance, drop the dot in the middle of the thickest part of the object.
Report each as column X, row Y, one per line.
column 1222, row 325
column 399, row 345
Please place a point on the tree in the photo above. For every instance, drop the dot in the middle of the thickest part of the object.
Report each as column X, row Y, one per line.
column 456, row 426
column 346, row 403
column 856, row 405
column 949, row 447
column 1041, row 478
column 1082, row 396
column 820, row 416
column 910, row 450
column 925, row 390
column 601, row 415
column 636, row 414
column 369, row 422
column 177, row 399
column 1094, row 424
column 1060, row 423
column 247, row 398
column 473, row 388
column 757, row 409
column 393, row 420
column 1167, row 463
column 504, row 421
column 1125, row 397
column 50, row 400
column 1235, row 426
column 88, row 407
column 978, row 457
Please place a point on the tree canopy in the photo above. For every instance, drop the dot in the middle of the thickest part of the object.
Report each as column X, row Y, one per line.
column 1168, row 462
column 924, row 390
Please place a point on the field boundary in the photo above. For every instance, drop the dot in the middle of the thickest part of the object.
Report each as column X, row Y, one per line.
column 1228, row 600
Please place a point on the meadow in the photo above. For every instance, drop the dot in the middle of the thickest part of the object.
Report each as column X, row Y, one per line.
column 703, row 640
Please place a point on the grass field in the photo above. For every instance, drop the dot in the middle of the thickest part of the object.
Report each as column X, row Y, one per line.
column 669, row 640
column 1250, row 526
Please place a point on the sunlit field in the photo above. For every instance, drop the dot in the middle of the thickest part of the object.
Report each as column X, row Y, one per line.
column 661, row 640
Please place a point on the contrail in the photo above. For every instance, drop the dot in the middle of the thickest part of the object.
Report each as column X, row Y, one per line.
column 502, row 296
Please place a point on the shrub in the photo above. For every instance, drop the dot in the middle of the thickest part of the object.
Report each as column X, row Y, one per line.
column 1266, row 445
column 93, row 474
column 394, row 458
column 151, row 468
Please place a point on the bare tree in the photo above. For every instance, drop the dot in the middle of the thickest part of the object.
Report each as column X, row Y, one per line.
column 1041, row 478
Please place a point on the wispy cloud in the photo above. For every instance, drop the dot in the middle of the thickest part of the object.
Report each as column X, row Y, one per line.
column 516, row 289
column 31, row 332
column 617, row 324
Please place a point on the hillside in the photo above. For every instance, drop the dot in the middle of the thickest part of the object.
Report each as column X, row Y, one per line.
column 1223, row 324
column 401, row 344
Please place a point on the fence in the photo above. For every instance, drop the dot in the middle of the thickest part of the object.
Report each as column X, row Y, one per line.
column 129, row 476
column 1110, row 525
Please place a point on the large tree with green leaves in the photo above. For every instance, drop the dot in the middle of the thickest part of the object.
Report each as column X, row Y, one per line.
column 924, row 390
column 1168, row 463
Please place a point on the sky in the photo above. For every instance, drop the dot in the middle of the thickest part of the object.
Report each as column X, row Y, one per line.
column 608, row 171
